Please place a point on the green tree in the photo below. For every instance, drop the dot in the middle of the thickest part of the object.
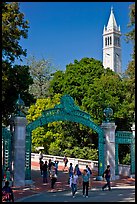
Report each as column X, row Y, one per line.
column 76, row 79
column 131, row 34
column 14, row 27
column 12, row 85
column 129, row 80
column 41, row 72
column 93, row 89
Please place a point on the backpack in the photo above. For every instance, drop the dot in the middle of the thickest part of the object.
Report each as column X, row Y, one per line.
column 6, row 196
column 103, row 175
column 79, row 172
column 89, row 170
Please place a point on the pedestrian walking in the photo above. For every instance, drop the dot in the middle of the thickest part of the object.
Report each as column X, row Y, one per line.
column 65, row 160
column 49, row 166
column 70, row 172
column 40, row 156
column 73, row 183
column 7, row 193
column 41, row 167
column 53, row 176
column 56, row 166
column 107, row 176
column 77, row 170
column 45, row 172
column 90, row 174
column 85, row 177
column 8, row 174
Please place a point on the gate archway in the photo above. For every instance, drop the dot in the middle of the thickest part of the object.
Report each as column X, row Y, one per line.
column 65, row 111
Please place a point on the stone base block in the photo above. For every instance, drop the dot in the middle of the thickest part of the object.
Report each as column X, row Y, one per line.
column 99, row 178
column 29, row 182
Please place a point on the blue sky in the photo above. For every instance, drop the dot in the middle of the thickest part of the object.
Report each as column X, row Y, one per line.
column 65, row 31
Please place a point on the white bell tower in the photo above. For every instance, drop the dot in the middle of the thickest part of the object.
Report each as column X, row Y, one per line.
column 112, row 45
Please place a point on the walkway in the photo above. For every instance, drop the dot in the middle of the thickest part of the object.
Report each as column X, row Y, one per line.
column 61, row 184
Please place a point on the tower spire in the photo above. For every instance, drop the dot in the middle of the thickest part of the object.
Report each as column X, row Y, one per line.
column 111, row 9
column 111, row 44
column 112, row 22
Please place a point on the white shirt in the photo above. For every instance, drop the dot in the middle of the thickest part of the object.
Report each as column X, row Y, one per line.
column 73, row 179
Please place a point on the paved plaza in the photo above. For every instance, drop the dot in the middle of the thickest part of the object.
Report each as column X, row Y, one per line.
column 123, row 190
column 118, row 194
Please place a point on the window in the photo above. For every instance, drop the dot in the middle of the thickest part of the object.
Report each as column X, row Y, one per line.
column 105, row 41
column 110, row 40
column 118, row 42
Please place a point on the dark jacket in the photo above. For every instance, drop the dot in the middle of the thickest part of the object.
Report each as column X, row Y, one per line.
column 107, row 173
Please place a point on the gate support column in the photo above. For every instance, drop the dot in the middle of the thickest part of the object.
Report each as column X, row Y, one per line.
column 109, row 147
column 19, row 150
column 133, row 152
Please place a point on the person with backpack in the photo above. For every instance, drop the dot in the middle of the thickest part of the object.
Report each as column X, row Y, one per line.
column 7, row 193
column 107, row 175
column 77, row 170
column 90, row 173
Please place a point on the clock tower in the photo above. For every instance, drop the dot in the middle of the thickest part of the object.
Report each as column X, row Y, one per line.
column 112, row 45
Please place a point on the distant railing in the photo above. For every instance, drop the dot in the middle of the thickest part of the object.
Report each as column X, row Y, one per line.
column 123, row 169
column 81, row 162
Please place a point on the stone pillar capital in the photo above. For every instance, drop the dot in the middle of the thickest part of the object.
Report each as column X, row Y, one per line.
column 20, row 121
column 108, row 125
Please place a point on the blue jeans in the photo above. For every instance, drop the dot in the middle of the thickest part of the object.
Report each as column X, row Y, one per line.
column 74, row 188
column 107, row 184
column 45, row 175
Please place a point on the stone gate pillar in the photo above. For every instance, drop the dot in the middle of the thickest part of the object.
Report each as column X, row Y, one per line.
column 109, row 146
column 19, row 150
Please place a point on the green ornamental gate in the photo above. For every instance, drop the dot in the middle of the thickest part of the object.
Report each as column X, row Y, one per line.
column 7, row 149
column 125, row 137
column 65, row 111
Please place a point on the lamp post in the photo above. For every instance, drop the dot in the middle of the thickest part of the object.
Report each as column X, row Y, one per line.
column 19, row 106
column 108, row 112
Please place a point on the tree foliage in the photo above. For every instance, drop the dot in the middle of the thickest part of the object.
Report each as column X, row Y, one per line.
column 41, row 72
column 129, row 80
column 14, row 27
column 131, row 34
column 93, row 89
column 12, row 85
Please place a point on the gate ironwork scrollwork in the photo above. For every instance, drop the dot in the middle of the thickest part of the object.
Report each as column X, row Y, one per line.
column 125, row 137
